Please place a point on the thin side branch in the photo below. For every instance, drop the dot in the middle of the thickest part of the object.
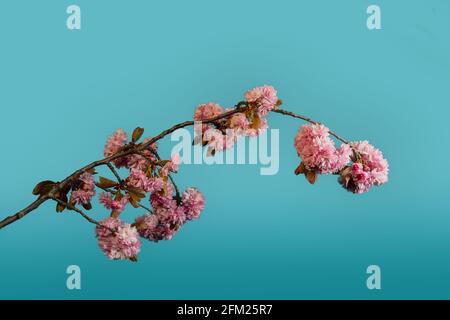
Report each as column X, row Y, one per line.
column 114, row 172
column 294, row 115
column 71, row 207
column 177, row 191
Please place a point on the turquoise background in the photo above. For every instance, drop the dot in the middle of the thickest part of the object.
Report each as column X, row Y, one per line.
column 149, row 63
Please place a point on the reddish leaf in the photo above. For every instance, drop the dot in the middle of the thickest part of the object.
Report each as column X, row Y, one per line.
column 256, row 122
column 43, row 187
column 346, row 175
column 87, row 206
column 134, row 202
column 311, row 176
column 137, row 133
column 118, row 196
column 63, row 197
column 92, row 171
column 162, row 162
column 60, row 207
column 135, row 195
column 300, row 169
column 115, row 214
column 105, row 183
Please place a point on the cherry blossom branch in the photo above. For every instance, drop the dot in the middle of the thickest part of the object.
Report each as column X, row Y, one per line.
column 240, row 107
column 358, row 164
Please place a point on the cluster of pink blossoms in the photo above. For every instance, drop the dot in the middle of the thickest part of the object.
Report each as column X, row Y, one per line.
column 369, row 168
column 117, row 141
column 317, row 150
column 169, row 215
column 85, row 190
column 148, row 175
column 320, row 156
column 264, row 97
column 117, row 239
column 222, row 134
column 115, row 204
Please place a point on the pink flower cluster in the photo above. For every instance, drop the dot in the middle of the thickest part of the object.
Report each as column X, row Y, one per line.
column 169, row 216
column 117, row 141
column 207, row 111
column 369, row 168
column 193, row 203
column 317, row 150
column 85, row 191
column 117, row 239
column 116, row 205
column 171, row 166
column 264, row 97
column 319, row 155
column 149, row 175
column 138, row 164
column 138, row 179
column 222, row 134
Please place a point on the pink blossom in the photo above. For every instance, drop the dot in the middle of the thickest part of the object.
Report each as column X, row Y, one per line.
column 175, row 162
column 136, row 161
column 220, row 138
column 368, row 169
column 193, row 203
column 138, row 179
column 218, row 141
column 164, row 197
column 317, row 150
column 163, row 224
column 116, row 141
column 171, row 166
column 123, row 243
column 85, row 192
column 150, row 228
column 207, row 111
column 239, row 123
column 373, row 161
column 342, row 156
column 265, row 97
column 171, row 213
column 106, row 198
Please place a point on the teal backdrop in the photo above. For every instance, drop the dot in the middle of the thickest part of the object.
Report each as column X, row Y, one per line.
column 149, row 63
